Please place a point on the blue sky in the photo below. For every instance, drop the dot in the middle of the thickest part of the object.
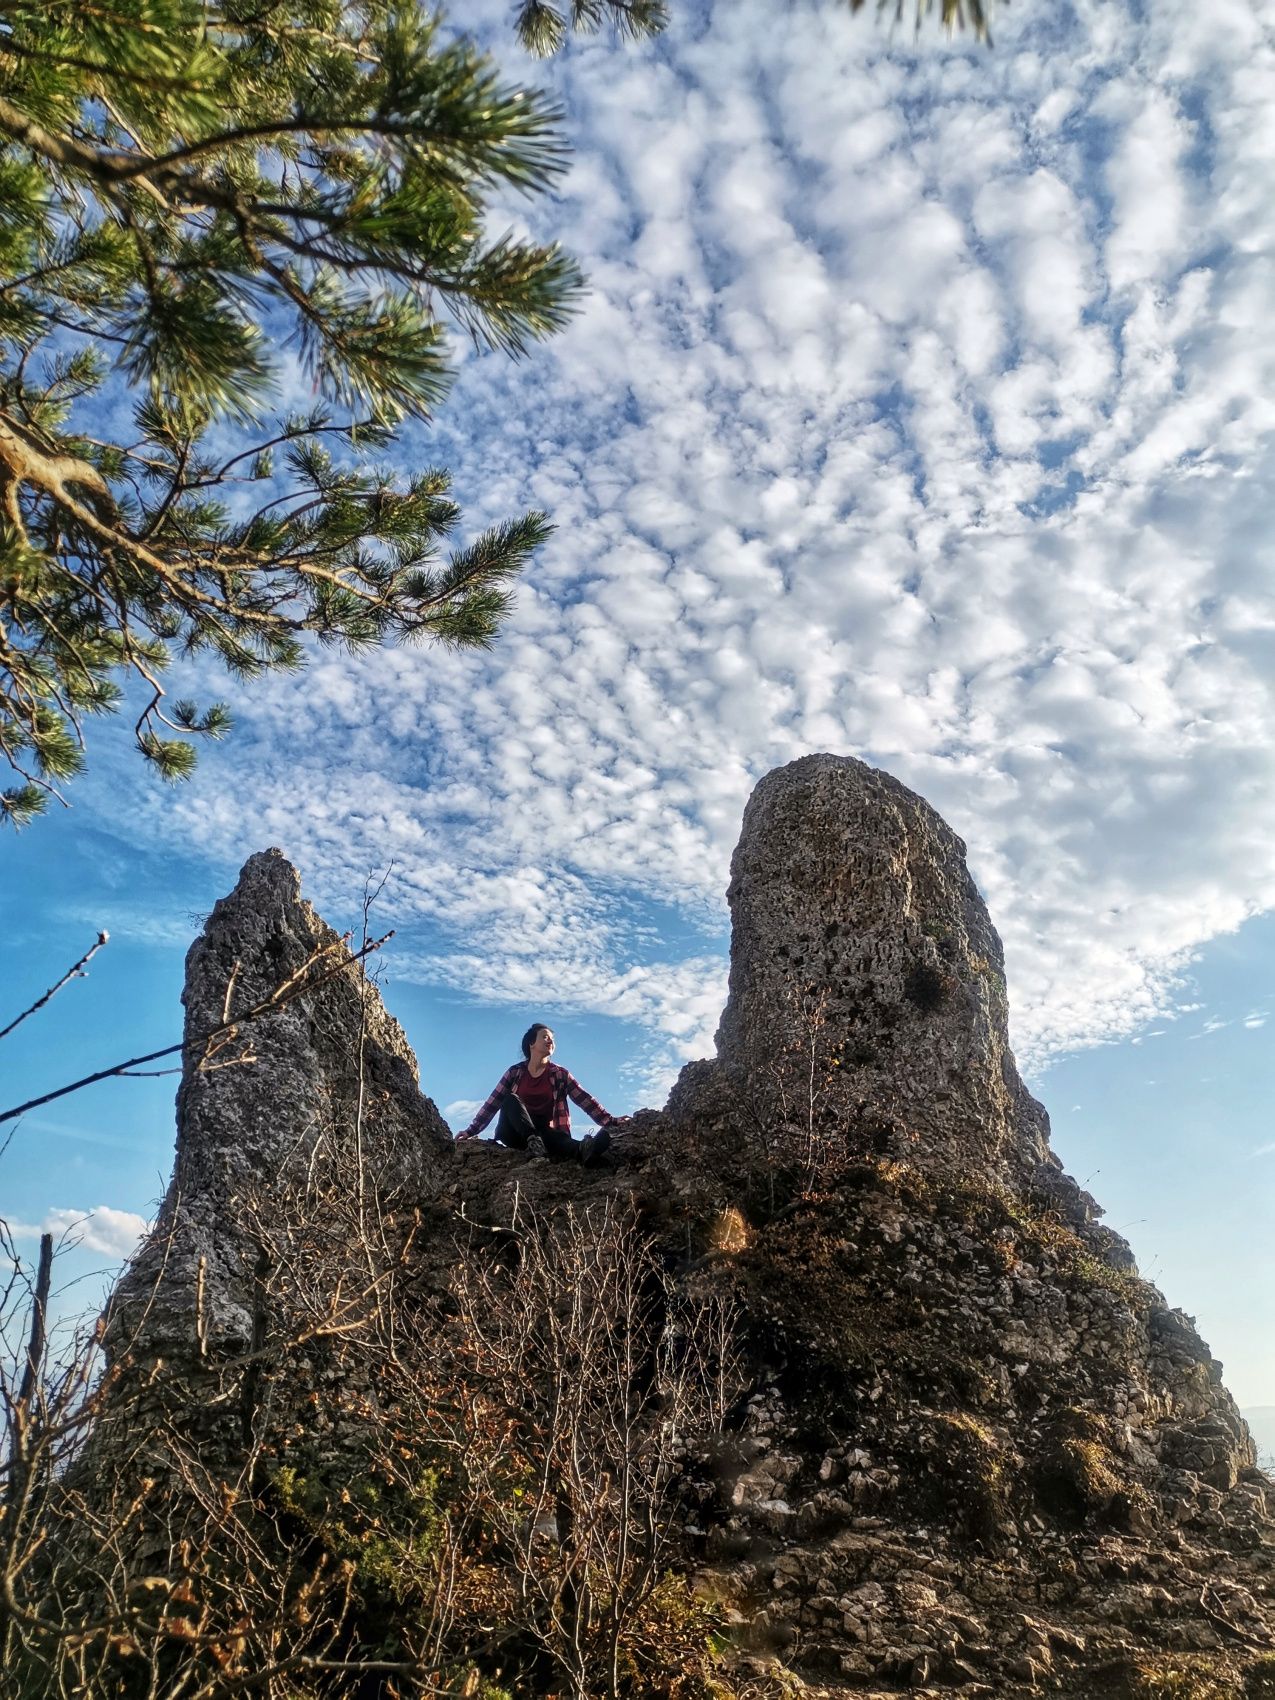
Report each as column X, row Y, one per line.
column 923, row 408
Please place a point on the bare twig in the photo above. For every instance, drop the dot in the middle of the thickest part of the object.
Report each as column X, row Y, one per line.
column 74, row 973
column 291, row 988
column 369, row 898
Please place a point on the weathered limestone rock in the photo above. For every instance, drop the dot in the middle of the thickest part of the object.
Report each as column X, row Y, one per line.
column 860, row 943
column 974, row 1452
column 324, row 1063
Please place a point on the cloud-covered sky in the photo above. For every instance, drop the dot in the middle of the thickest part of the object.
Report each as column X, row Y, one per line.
column 923, row 408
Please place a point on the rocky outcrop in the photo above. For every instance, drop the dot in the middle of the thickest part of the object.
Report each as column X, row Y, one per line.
column 973, row 1451
column 858, row 935
column 323, row 1064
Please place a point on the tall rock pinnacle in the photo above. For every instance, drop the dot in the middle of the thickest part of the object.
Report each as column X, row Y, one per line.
column 857, row 930
column 323, row 1064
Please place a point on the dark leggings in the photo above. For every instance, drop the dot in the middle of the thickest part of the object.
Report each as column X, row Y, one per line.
column 516, row 1127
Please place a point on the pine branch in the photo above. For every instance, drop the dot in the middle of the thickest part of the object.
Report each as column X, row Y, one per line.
column 191, row 185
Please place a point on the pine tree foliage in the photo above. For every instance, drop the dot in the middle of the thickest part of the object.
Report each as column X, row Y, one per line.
column 974, row 15
column 543, row 28
column 200, row 202
column 204, row 204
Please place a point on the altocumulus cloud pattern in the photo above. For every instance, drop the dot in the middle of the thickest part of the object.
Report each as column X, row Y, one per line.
column 921, row 410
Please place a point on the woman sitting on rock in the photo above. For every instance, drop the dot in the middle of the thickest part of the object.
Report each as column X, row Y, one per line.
column 532, row 1099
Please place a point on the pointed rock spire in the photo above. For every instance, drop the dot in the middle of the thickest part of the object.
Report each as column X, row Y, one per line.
column 328, row 1063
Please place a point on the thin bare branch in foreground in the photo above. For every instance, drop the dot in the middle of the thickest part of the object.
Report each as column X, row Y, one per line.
column 74, row 973
column 216, row 1037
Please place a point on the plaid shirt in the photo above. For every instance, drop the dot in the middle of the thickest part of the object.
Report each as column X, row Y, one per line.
column 565, row 1086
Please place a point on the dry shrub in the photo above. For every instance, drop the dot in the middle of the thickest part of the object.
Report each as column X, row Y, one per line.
column 396, row 1491
column 591, row 1381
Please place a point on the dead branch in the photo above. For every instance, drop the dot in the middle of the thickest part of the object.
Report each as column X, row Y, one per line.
column 294, row 987
column 74, row 973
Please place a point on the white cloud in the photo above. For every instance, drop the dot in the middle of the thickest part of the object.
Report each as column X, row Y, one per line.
column 1150, row 228
column 462, row 1110
column 921, row 411
column 100, row 1228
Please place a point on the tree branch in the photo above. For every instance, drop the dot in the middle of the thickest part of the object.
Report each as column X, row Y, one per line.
column 74, row 973
column 294, row 987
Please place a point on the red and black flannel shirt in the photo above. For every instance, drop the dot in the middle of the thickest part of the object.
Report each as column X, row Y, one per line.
column 565, row 1086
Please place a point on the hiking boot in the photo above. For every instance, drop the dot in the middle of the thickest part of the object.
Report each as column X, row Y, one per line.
column 593, row 1145
column 536, row 1146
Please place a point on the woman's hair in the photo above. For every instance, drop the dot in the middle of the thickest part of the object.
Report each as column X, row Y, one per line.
column 529, row 1037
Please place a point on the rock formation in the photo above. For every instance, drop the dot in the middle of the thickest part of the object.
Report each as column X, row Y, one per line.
column 973, row 1451
column 324, row 1060
column 851, row 906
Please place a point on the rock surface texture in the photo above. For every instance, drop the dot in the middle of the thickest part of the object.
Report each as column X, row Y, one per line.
column 973, row 1451
column 858, row 934
column 322, row 1063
